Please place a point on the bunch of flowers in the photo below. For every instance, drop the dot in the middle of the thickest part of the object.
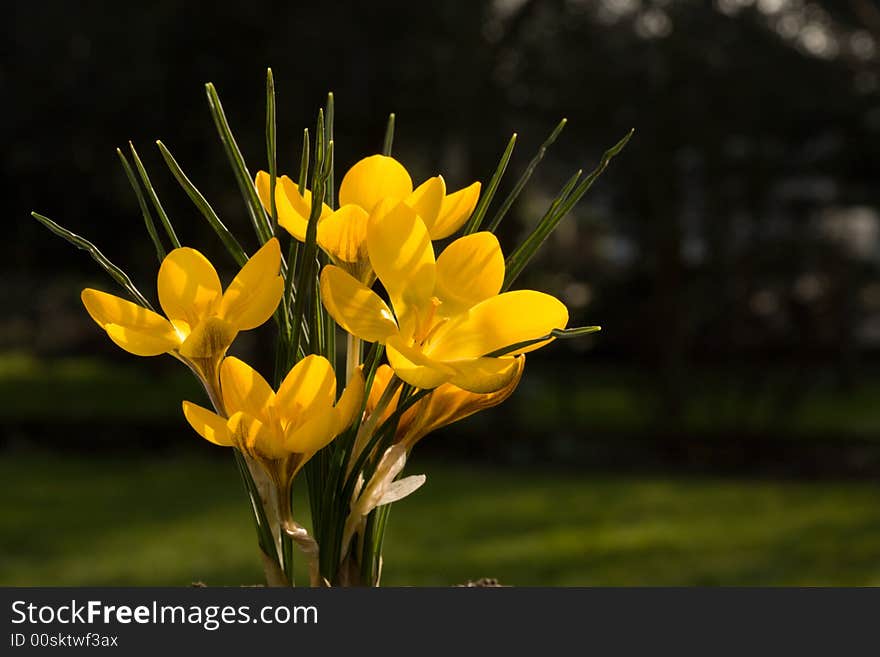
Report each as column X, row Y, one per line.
column 412, row 274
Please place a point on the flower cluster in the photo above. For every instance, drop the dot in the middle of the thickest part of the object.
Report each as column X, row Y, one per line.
column 433, row 333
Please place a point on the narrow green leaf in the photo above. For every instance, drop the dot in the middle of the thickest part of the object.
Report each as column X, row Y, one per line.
column 304, row 163
column 142, row 202
column 245, row 181
column 308, row 252
column 476, row 218
column 204, row 207
column 563, row 203
column 151, row 192
column 271, row 146
column 388, row 142
column 555, row 333
column 82, row 243
column 521, row 183
column 328, row 138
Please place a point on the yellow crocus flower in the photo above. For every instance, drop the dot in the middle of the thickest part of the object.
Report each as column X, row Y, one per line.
column 202, row 319
column 371, row 186
column 448, row 313
column 280, row 430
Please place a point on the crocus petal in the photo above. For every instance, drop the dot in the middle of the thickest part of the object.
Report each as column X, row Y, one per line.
column 262, row 183
column 373, row 179
column 294, row 208
column 208, row 424
column 309, row 388
column 210, row 338
column 355, row 307
column 449, row 403
column 244, row 389
column 134, row 328
column 350, row 402
column 255, row 437
column 312, row 435
column 188, row 286
column 381, row 379
column 253, row 295
column 427, row 199
column 343, row 234
column 140, row 343
column 499, row 322
column 456, row 209
column 414, row 367
column 402, row 255
column 469, row 270
column 484, row 375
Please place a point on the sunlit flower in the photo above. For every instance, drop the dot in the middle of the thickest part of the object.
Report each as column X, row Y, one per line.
column 373, row 185
column 280, row 431
column 202, row 319
column 448, row 314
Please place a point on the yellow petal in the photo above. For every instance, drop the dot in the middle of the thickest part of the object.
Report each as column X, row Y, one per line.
column 484, row 375
column 134, row 328
column 381, row 379
column 350, row 402
column 208, row 424
column 310, row 387
column 414, row 367
column 188, row 286
column 372, row 179
column 456, row 209
column 261, row 182
column 427, row 199
column 253, row 295
column 254, row 437
column 210, row 338
column 137, row 342
column 343, row 234
column 401, row 255
column 244, row 389
column 315, row 433
column 469, row 270
column 449, row 403
column 294, row 208
column 498, row 322
column 355, row 307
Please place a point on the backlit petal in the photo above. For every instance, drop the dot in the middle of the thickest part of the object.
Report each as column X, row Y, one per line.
column 140, row 343
column 294, row 208
column 253, row 295
column 254, row 437
column 261, row 182
column 469, row 270
column 350, row 402
column 244, row 389
column 309, row 388
column 456, row 209
column 343, row 234
column 188, row 286
column 498, row 322
column 449, row 403
column 414, row 367
column 484, row 375
column 402, row 255
column 427, row 199
column 208, row 424
column 210, row 338
column 372, row 179
column 314, row 434
column 136, row 329
column 355, row 307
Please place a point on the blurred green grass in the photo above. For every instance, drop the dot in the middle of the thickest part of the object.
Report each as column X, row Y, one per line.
column 174, row 519
column 601, row 399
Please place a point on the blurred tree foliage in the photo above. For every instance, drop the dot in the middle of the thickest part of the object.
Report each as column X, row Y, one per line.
column 739, row 227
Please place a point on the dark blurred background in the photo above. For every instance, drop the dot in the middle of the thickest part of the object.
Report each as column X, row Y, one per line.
column 730, row 252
